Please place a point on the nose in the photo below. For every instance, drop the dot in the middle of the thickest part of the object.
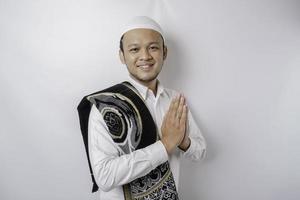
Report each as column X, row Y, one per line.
column 145, row 55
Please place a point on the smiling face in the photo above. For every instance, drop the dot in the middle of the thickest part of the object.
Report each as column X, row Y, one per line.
column 144, row 54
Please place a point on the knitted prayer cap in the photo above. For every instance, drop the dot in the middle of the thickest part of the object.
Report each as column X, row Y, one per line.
column 142, row 22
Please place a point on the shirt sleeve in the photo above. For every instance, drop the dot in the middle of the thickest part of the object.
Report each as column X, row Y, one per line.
column 111, row 169
column 197, row 148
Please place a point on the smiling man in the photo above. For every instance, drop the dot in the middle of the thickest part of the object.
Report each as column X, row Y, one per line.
column 143, row 52
column 135, row 132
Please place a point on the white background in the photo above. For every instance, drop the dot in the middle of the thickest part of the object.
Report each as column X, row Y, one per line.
column 237, row 62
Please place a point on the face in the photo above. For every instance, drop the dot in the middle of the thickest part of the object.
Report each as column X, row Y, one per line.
column 144, row 54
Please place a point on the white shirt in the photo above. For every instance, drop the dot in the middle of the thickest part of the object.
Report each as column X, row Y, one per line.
column 111, row 170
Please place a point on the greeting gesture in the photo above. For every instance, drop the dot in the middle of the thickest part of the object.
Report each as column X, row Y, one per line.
column 174, row 124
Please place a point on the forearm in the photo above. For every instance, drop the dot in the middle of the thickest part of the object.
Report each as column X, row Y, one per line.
column 113, row 171
column 196, row 149
column 110, row 167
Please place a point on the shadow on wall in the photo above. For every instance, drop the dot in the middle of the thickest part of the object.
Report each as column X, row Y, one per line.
column 172, row 74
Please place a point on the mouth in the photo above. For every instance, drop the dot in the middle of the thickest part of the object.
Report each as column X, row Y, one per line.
column 146, row 66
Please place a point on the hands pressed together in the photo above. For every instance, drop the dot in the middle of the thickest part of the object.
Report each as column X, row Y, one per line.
column 174, row 126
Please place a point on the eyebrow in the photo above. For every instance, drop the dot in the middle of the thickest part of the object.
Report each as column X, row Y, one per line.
column 135, row 44
column 131, row 45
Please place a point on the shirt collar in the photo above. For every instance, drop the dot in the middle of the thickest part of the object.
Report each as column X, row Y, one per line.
column 143, row 90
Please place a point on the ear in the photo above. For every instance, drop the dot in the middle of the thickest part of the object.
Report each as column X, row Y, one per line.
column 165, row 52
column 121, row 56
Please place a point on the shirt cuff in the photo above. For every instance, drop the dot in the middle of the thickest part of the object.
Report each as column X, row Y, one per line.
column 158, row 152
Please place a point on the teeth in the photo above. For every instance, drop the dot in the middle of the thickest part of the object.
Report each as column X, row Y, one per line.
column 145, row 66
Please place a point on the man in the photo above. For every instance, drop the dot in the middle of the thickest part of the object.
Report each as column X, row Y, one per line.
column 135, row 132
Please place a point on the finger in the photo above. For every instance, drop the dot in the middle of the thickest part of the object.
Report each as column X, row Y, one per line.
column 164, row 119
column 172, row 107
column 180, row 107
column 172, row 104
column 163, row 125
column 177, row 101
column 169, row 111
column 183, row 118
column 176, row 104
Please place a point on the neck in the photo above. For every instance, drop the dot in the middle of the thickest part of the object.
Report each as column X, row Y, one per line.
column 152, row 85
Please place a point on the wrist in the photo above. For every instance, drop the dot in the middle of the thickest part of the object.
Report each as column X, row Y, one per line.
column 167, row 146
column 185, row 144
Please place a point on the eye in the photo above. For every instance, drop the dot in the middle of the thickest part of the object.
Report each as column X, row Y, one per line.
column 133, row 50
column 154, row 48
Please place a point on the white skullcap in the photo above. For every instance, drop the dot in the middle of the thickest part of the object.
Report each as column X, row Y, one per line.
column 142, row 22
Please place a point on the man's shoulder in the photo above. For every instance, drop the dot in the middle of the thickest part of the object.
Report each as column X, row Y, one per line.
column 116, row 88
column 86, row 98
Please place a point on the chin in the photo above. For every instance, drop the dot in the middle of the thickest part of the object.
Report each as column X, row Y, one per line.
column 147, row 79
